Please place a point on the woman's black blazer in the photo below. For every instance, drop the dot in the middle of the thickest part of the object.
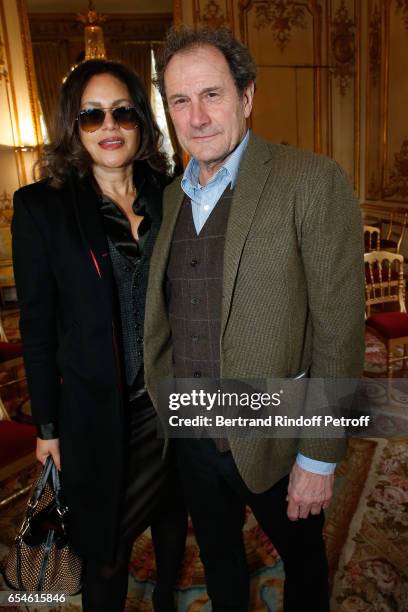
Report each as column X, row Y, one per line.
column 69, row 324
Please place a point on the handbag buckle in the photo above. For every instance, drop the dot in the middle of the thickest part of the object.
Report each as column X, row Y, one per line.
column 62, row 510
column 23, row 529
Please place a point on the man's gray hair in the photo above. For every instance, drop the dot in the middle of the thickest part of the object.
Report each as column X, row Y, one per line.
column 239, row 60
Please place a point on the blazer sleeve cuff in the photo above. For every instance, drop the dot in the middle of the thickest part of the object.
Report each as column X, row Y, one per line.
column 47, row 431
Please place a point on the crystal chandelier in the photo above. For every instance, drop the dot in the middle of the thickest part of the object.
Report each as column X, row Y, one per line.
column 94, row 44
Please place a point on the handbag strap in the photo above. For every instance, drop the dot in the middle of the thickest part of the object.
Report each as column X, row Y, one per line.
column 48, row 468
column 42, row 481
column 56, row 485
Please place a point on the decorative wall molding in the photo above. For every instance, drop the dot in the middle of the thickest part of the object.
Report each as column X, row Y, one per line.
column 402, row 7
column 29, row 68
column 3, row 69
column 211, row 14
column 397, row 184
column 282, row 16
column 374, row 187
column 177, row 12
column 343, row 48
column 374, row 42
column 6, row 208
column 279, row 29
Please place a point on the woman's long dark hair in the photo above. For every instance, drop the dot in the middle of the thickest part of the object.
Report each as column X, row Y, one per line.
column 66, row 154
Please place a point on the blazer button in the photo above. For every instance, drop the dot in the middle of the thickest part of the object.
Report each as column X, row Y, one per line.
column 194, row 338
column 194, row 300
column 194, row 262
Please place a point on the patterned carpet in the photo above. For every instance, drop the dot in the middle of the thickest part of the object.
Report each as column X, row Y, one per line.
column 366, row 536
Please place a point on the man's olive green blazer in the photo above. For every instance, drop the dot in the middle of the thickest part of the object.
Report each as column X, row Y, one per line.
column 293, row 295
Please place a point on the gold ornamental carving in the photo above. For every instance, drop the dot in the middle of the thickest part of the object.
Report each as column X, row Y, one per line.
column 343, row 48
column 282, row 16
column 212, row 16
column 374, row 42
column 402, row 7
column 177, row 13
column 3, row 70
column 6, row 208
column 398, row 180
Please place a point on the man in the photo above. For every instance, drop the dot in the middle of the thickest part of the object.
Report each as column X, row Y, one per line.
column 257, row 272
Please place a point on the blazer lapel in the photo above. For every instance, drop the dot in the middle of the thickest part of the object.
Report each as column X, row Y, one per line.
column 172, row 201
column 92, row 231
column 253, row 173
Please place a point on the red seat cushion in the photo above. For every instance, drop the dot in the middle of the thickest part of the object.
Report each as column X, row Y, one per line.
column 10, row 350
column 390, row 324
column 16, row 441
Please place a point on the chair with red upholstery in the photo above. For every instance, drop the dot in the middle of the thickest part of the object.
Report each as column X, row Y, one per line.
column 371, row 238
column 385, row 285
column 17, row 440
column 396, row 231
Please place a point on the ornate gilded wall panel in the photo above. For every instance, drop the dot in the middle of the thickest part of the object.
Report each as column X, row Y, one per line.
column 344, row 58
column 282, row 18
column 286, row 40
column 374, row 122
column 19, row 112
column 177, row 12
column 343, row 46
column 395, row 166
column 387, row 101
column 402, row 8
column 213, row 13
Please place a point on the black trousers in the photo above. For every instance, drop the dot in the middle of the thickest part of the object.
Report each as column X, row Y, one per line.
column 153, row 496
column 216, row 496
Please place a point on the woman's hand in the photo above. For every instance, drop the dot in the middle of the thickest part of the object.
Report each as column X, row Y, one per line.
column 48, row 447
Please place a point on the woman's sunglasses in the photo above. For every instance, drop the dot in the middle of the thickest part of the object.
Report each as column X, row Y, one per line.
column 91, row 119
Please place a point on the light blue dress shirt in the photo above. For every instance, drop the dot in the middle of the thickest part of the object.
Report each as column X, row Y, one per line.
column 203, row 201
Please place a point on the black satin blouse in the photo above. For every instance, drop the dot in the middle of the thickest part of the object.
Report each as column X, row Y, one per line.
column 148, row 203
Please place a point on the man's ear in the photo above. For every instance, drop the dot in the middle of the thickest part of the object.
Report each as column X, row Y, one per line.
column 248, row 97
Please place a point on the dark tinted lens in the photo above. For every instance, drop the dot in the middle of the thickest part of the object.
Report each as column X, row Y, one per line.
column 125, row 116
column 91, row 119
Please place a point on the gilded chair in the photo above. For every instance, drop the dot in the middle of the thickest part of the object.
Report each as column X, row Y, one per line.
column 396, row 231
column 17, row 451
column 12, row 373
column 371, row 238
column 17, row 440
column 385, row 286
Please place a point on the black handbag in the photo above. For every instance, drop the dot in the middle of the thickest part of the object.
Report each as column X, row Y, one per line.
column 41, row 558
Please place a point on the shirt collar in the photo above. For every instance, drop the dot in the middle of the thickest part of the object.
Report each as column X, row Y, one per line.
column 230, row 167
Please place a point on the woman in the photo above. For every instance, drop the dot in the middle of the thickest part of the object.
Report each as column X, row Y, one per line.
column 82, row 239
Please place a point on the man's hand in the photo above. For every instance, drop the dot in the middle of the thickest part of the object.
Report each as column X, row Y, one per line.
column 48, row 447
column 308, row 493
